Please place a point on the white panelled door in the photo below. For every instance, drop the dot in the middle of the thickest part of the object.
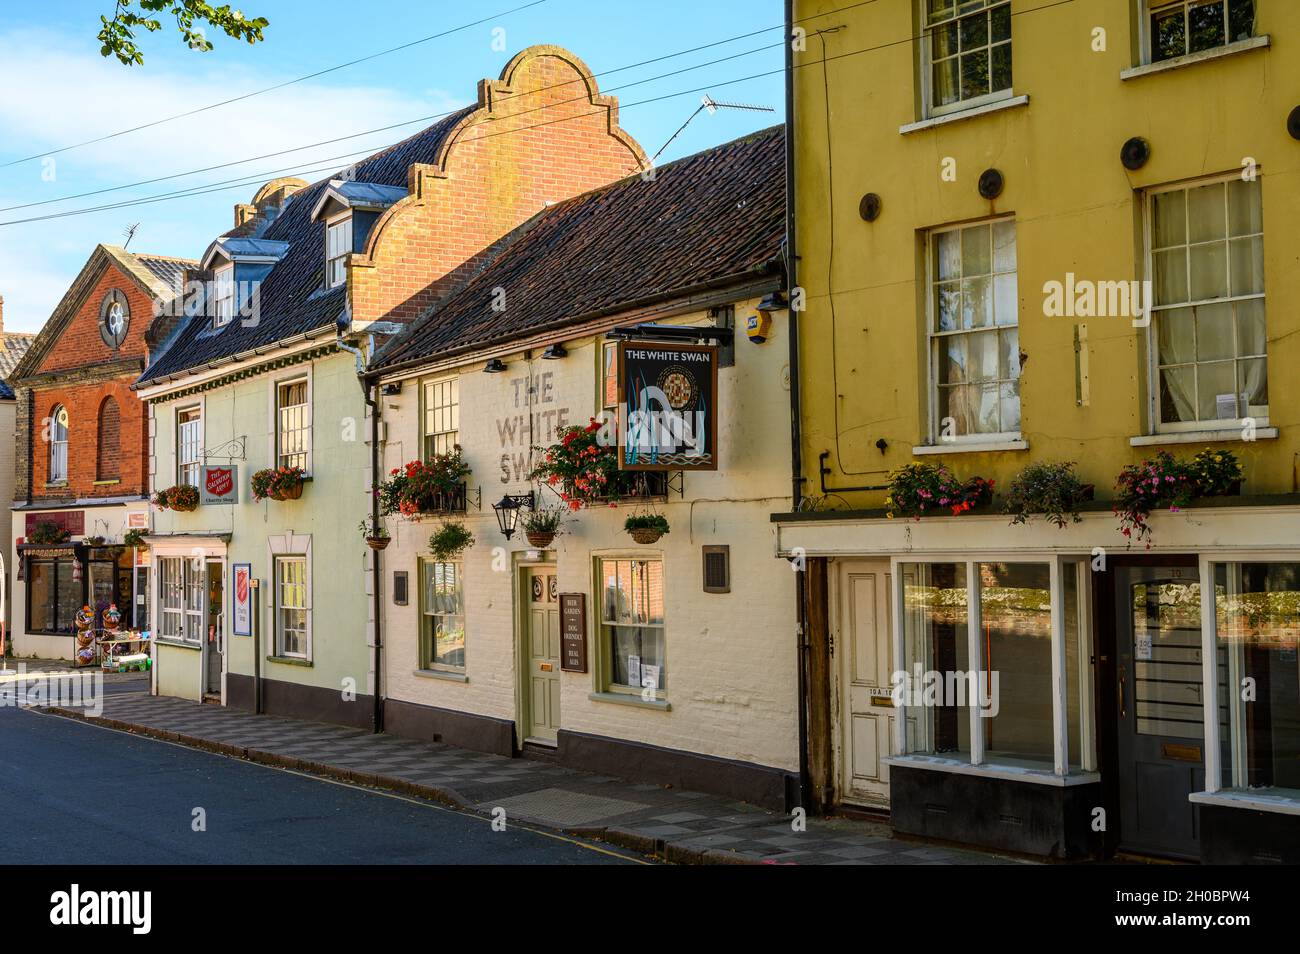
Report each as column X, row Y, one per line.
column 863, row 647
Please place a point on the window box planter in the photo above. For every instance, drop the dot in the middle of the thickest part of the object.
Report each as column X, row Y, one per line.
column 425, row 488
column 183, row 498
column 278, row 483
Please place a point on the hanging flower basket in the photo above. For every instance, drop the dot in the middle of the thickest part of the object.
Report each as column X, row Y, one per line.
column 376, row 534
column 450, row 540
column 646, row 528
column 182, row 498
column 378, row 543
column 541, row 526
column 278, row 483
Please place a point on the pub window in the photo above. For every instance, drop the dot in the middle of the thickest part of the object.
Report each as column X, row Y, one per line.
column 632, row 634
column 293, row 423
column 1257, row 635
column 292, row 615
column 1209, row 337
column 58, row 444
column 442, row 617
column 967, row 52
column 53, row 594
column 441, row 416
column 189, row 445
column 1179, row 27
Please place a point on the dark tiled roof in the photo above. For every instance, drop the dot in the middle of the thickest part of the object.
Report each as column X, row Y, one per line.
column 169, row 271
column 712, row 217
column 13, row 345
column 292, row 300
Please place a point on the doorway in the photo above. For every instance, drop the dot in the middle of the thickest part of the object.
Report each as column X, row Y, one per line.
column 1157, row 708
column 540, row 694
column 214, row 630
column 863, row 648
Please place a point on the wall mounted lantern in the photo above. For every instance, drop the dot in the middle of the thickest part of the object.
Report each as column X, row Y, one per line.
column 507, row 511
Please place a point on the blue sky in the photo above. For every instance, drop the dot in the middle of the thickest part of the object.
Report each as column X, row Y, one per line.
column 59, row 91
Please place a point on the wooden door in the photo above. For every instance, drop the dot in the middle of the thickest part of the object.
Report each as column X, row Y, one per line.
column 863, row 645
column 542, row 676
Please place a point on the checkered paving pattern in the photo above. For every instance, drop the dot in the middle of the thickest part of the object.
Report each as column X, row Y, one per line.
column 680, row 823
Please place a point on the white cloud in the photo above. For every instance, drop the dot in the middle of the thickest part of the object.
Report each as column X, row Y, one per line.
column 60, row 93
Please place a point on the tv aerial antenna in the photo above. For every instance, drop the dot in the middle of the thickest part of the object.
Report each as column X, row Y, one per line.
column 129, row 232
column 712, row 105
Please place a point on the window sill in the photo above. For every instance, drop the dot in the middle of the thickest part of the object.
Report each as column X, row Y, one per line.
column 1006, row 773
column 1013, row 102
column 1208, row 436
column 1191, row 59
column 439, row 674
column 1255, row 801
column 973, row 447
column 55, row 484
column 290, row 661
column 177, row 644
column 108, row 483
column 627, row 699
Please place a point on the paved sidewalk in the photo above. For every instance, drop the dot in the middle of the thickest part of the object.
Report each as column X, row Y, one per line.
column 679, row 826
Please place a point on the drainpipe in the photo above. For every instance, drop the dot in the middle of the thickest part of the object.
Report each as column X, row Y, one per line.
column 370, row 392
column 796, row 434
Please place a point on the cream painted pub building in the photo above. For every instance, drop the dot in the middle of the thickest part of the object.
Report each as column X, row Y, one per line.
column 672, row 661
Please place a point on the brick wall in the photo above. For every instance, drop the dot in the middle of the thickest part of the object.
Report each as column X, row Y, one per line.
column 496, row 173
column 79, row 371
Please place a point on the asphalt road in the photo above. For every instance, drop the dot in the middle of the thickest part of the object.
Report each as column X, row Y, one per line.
column 72, row 793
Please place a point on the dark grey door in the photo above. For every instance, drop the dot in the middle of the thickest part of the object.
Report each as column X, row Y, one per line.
column 1159, row 708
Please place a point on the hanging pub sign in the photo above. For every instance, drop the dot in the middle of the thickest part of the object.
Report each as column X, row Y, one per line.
column 668, row 406
column 219, row 485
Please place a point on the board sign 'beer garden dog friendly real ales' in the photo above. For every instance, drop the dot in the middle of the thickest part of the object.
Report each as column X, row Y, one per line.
column 668, row 406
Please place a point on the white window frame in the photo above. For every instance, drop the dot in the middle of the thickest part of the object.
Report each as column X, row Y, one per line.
column 223, row 295
column 296, row 546
column 58, row 461
column 1154, row 424
column 276, row 384
column 1008, row 438
column 1059, row 565
column 277, row 562
column 184, row 463
column 425, row 661
column 338, row 246
column 1146, row 37
column 1215, row 793
column 929, row 109
column 184, row 622
column 447, row 437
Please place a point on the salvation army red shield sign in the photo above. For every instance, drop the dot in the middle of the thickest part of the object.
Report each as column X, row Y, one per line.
column 219, row 485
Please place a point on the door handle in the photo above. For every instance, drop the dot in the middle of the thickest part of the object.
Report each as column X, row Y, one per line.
column 1123, row 707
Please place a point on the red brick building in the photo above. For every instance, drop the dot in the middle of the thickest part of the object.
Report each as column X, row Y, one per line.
column 81, row 479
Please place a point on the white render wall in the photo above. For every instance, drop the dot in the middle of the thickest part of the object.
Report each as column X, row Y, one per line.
column 731, row 658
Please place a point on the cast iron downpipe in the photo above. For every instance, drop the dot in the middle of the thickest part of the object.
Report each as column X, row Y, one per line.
column 796, row 434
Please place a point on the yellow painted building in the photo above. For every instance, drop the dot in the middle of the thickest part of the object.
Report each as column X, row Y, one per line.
column 1034, row 231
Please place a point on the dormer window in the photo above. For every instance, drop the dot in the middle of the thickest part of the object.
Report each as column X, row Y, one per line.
column 223, row 296
column 338, row 245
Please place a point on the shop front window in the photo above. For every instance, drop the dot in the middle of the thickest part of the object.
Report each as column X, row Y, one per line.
column 53, row 594
column 980, row 642
column 442, row 636
column 1257, row 617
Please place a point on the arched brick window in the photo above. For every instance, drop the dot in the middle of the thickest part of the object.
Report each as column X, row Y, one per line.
column 58, row 444
column 109, row 461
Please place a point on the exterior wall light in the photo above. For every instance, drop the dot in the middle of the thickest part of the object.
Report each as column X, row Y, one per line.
column 507, row 511
column 555, row 352
column 495, row 366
